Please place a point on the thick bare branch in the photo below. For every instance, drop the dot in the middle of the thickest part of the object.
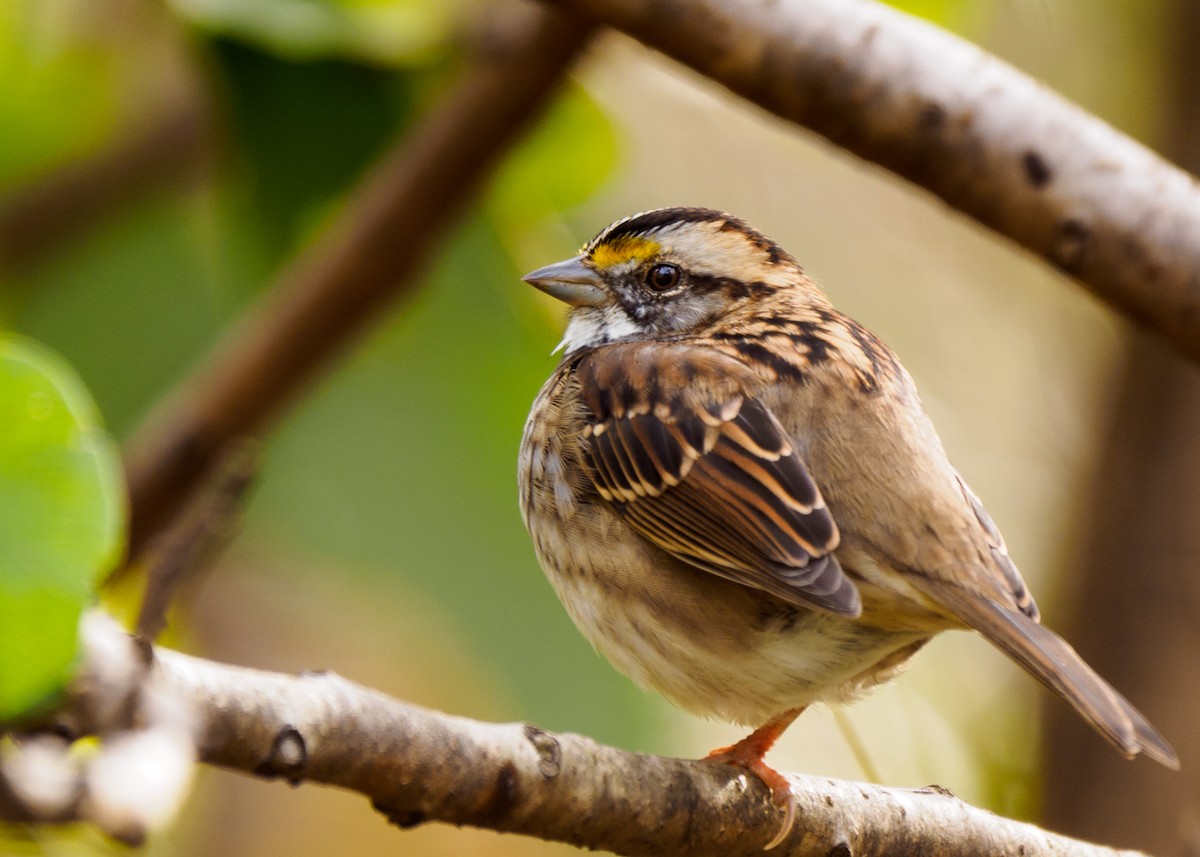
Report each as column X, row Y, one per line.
column 417, row 765
column 938, row 111
column 371, row 256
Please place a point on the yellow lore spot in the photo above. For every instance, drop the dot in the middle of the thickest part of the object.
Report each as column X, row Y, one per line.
column 625, row 249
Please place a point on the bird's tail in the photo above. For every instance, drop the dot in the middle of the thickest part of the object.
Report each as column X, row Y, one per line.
column 1052, row 660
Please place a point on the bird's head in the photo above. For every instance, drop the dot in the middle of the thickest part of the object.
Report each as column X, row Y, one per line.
column 664, row 273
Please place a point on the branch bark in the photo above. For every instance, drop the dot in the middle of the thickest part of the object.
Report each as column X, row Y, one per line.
column 372, row 255
column 417, row 765
column 938, row 111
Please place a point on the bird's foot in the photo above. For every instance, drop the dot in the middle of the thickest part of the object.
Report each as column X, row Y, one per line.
column 748, row 755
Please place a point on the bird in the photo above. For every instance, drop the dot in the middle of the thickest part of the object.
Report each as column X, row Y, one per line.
column 737, row 495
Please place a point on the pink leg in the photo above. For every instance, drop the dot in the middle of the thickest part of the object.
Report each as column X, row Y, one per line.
column 748, row 754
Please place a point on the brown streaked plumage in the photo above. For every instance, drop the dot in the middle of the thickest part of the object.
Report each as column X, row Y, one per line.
column 736, row 493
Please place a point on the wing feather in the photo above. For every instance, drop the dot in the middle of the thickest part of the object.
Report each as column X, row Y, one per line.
column 697, row 464
column 656, row 441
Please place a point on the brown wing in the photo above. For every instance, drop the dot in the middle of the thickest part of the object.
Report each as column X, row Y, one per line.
column 682, row 449
column 1053, row 662
column 1009, row 580
column 997, row 604
column 1012, row 624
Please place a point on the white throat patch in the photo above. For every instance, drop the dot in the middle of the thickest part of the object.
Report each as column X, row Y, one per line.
column 591, row 326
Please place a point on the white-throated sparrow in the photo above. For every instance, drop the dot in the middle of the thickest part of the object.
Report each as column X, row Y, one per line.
column 736, row 493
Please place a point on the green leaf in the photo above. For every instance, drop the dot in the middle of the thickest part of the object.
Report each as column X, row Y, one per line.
column 62, row 518
column 58, row 99
column 385, row 32
column 960, row 16
column 304, row 131
column 560, row 165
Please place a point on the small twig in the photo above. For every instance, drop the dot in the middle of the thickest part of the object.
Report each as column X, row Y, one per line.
column 201, row 529
column 417, row 765
column 938, row 111
column 370, row 257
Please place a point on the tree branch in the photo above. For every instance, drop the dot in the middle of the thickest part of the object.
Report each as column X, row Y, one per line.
column 207, row 522
column 417, row 765
column 938, row 111
column 39, row 216
column 371, row 256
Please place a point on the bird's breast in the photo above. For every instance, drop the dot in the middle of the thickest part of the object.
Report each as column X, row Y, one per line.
column 712, row 646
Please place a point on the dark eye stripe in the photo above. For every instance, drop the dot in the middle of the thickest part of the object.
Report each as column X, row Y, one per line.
column 734, row 288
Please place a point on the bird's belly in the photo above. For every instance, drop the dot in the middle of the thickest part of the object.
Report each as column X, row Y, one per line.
column 711, row 646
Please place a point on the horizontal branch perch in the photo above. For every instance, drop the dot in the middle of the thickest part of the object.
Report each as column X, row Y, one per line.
column 417, row 765
column 938, row 111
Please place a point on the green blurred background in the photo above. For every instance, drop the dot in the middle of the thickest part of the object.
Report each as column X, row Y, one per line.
column 383, row 540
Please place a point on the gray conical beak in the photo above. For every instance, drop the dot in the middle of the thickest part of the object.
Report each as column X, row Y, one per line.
column 570, row 281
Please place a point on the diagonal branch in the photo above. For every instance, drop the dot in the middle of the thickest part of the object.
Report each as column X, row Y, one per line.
column 938, row 111
column 374, row 254
column 417, row 765
column 171, row 146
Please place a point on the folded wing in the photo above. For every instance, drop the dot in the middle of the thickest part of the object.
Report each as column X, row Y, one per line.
column 683, row 449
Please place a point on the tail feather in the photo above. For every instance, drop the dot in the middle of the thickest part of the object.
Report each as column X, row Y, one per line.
column 1053, row 662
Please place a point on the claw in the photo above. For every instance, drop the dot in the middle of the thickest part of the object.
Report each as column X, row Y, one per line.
column 789, row 819
column 748, row 755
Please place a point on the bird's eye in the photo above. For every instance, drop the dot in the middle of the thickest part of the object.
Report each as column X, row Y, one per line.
column 662, row 277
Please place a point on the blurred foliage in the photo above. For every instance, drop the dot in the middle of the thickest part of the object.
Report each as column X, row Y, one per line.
column 958, row 15
column 556, row 169
column 402, row 464
column 303, row 131
column 386, row 32
column 58, row 100
column 62, row 516
column 399, row 470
